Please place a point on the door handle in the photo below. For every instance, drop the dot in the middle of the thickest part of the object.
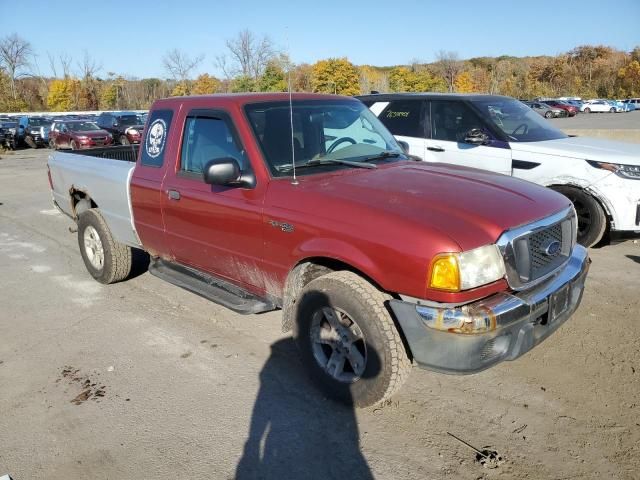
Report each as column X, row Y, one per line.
column 435, row 149
column 173, row 194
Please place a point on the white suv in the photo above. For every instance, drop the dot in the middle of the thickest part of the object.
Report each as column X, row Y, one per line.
column 501, row 134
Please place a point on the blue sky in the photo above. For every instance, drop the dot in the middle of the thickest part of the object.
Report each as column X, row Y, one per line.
column 130, row 37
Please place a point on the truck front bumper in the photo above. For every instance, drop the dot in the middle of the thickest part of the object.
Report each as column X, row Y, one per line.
column 522, row 321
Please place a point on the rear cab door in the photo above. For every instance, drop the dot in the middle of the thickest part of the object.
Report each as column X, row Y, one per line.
column 450, row 121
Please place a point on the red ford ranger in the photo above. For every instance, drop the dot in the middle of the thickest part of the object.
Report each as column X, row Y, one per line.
column 311, row 206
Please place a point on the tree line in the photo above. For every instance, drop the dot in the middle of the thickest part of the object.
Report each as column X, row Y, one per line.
column 253, row 63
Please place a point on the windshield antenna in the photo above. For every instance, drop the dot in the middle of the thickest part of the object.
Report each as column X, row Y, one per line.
column 294, row 181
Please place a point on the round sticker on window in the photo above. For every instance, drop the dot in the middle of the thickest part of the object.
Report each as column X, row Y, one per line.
column 156, row 138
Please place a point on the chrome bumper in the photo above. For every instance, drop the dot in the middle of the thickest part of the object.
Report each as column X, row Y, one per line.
column 522, row 321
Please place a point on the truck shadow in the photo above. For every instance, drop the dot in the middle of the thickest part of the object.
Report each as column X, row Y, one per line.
column 294, row 431
column 139, row 263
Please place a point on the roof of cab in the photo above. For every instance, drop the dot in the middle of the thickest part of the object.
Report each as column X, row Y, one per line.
column 387, row 97
column 240, row 99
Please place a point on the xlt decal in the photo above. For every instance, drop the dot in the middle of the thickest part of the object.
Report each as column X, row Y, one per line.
column 392, row 114
column 285, row 227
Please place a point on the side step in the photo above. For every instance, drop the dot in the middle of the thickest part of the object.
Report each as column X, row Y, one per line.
column 212, row 288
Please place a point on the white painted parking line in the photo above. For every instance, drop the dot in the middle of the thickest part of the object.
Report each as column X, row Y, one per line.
column 52, row 212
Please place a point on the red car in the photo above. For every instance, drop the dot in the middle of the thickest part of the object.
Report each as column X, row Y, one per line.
column 571, row 110
column 78, row 134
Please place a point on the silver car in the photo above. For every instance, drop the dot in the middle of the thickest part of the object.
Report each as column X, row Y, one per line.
column 545, row 110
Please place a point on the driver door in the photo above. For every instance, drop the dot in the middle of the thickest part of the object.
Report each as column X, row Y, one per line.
column 450, row 121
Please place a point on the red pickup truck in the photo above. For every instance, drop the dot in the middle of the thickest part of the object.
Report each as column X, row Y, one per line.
column 309, row 205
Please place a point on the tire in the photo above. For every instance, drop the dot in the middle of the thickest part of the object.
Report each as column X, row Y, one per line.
column 359, row 310
column 29, row 141
column 74, row 145
column 587, row 110
column 52, row 144
column 124, row 140
column 612, row 110
column 592, row 220
column 116, row 257
column 548, row 114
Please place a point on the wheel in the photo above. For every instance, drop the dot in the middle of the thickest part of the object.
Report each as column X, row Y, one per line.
column 348, row 340
column 548, row 114
column 587, row 110
column 52, row 144
column 592, row 221
column 74, row 145
column 106, row 260
column 612, row 110
column 124, row 140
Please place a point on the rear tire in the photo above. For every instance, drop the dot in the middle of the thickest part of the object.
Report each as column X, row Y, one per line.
column 74, row 145
column 106, row 260
column 52, row 144
column 548, row 114
column 348, row 341
column 587, row 110
column 612, row 110
column 592, row 220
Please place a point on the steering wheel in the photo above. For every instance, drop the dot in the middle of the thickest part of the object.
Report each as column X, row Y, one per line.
column 333, row 146
column 524, row 130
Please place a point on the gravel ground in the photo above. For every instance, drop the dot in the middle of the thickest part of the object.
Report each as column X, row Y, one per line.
column 144, row 380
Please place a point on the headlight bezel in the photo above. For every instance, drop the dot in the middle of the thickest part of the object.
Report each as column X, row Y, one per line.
column 474, row 268
column 629, row 172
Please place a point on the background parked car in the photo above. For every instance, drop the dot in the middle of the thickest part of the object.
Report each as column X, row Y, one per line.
column 35, row 130
column 545, row 110
column 12, row 138
column 571, row 110
column 125, row 127
column 634, row 101
column 597, row 106
column 78, row 134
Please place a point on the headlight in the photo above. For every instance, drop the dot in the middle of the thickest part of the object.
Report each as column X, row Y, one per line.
column 453, row 272
column 82, row 137
column 133, row 131
column 625, row 171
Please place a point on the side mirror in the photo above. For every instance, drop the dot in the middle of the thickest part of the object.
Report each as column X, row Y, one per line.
column 222, row 171
column 404, row 145
column 475, row 136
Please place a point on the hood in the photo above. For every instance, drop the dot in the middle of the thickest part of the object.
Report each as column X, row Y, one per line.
column 584, row 148
column 471, row 207
column 91, row 134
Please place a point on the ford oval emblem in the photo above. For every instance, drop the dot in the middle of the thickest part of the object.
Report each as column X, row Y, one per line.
column 552, row 248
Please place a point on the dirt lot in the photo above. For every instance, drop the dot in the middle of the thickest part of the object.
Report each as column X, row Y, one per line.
column 144, row 380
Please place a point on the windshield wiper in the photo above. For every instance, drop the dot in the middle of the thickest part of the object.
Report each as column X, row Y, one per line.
column 326, row 161
column 382, row 155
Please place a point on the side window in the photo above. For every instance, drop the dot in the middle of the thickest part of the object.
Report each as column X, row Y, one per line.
column 451, row 120
column 208, row 138
column 405, row 117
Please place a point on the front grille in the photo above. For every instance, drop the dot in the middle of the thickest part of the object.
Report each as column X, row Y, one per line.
column 535, row 251
column 99, row 139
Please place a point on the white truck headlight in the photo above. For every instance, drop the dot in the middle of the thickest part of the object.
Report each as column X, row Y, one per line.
column 453, row 272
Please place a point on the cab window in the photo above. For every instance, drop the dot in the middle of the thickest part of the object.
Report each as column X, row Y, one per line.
column 451, row 120
column 208, row 138
column 405, row 117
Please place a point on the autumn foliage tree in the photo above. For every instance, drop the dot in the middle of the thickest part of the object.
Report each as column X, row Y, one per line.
column 335, row 75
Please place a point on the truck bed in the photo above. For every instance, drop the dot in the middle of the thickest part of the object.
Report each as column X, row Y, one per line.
column 104, row 175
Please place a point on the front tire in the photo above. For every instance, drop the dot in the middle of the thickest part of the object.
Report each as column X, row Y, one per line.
column 592, row 220
column 74, row 145
column 348, row 341
column 106, row 260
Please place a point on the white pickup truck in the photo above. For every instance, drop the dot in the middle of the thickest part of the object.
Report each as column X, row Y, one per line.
column 501, row 134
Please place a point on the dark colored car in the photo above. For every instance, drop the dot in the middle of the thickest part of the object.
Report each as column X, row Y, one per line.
column 12, row 138
column 126, row 127
column 571, row 110
column 35, row 130
column 78, row 134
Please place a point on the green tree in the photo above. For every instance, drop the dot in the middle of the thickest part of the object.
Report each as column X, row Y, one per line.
column 273, row 79
column 335, row 75
column 243, row 84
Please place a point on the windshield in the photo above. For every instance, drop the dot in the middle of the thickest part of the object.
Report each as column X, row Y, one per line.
column 128, row 120
column 517, row 121
column 83, row 127
column 39, row 122
column 323, row 131
column 9, row 124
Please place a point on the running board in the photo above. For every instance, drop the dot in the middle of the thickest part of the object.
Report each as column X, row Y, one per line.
column 212, row 288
